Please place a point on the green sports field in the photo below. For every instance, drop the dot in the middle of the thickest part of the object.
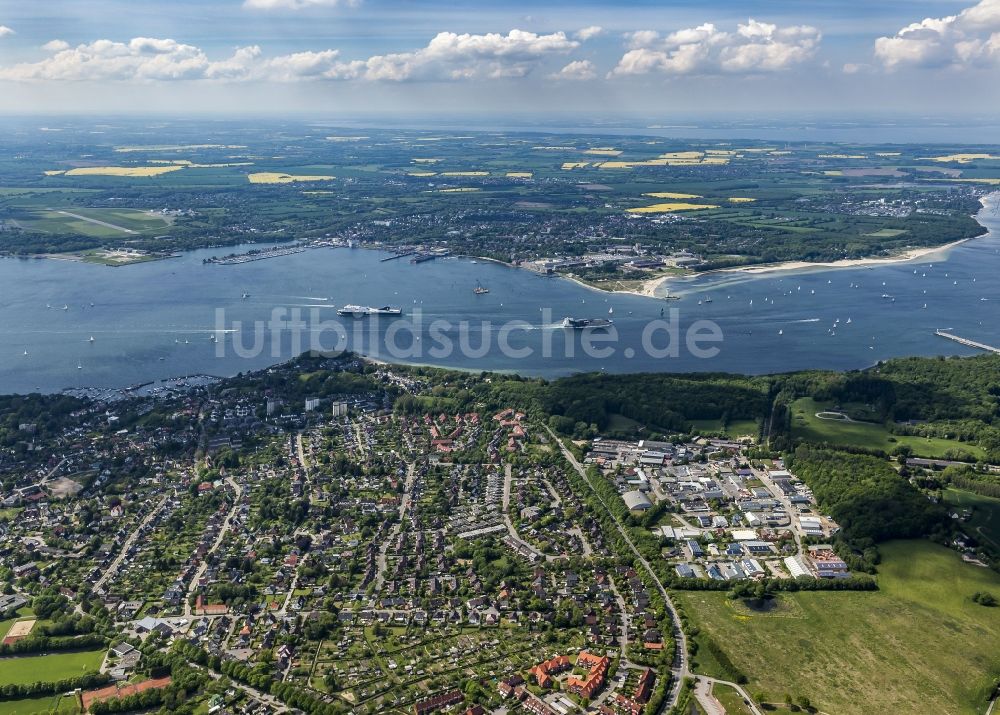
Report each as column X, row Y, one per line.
column 44, row 704
column 54, row 666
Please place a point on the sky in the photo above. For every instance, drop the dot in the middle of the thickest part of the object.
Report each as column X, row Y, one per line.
column 513, row 56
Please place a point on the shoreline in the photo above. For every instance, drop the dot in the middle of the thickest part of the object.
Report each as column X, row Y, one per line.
column 911, row 254
column 649, row 287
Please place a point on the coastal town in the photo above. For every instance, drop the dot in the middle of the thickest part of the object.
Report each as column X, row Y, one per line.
column 342, row 547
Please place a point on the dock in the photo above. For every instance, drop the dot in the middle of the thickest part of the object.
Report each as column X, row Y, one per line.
column 965, row 341
column 394, row 256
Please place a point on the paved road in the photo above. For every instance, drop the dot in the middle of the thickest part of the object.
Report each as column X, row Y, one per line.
column 113, row 567
column 404, row 506
column 278, row 706
column 193, row 586
column 508, row 478
column 679, row 667
column 750, row 704
column 703, row 694
column 785, row 502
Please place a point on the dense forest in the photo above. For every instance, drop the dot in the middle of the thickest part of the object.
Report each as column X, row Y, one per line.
column 870, row 500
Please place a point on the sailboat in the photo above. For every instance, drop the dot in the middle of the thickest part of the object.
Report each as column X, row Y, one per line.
column 611, row 311
column 26, row 353
column 480, row 289
column 91, row 339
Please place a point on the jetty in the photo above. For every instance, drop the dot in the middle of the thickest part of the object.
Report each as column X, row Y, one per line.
column 394, row 256
column 256, row 255
column 965, row 341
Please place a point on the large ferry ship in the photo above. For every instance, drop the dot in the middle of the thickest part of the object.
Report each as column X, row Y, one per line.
column 584, row 323
column 358, row 311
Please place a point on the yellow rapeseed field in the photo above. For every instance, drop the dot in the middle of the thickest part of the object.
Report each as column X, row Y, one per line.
column 129, row 171
column 741, row 200
column 177, row 147
column 671, row 195
column 519, row 174
column 271, row 177
column 960, row 158
column 667, row 161
column 669, row 208
column 682, row 155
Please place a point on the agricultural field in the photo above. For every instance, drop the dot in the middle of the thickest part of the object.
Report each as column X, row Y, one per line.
column 919, row 644
column 729, row 203
column 272, row 177
column 20, row 670
column 841, row 429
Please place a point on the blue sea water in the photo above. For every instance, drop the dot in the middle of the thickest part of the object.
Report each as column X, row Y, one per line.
column 156, row 320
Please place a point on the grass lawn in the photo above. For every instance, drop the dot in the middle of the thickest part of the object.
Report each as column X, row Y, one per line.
column 731, row 700
column 919, row 645
column 621, row 423
column 870, row 435
column 54, row 666
column 735, row 428
column 985, row 521
column 44, row 704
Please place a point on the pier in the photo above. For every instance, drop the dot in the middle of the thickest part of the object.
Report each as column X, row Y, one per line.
column 394, row 256
column 967, row 342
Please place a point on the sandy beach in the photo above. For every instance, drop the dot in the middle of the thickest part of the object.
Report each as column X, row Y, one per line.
column 912, row 254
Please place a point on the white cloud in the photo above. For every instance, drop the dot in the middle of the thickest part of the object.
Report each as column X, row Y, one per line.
column 5, row 31
column 294, row 4
column 588, row 33
column 576, row 70
column 972, row 37
column 453, row 56
column 448, row 56
column 754, row 47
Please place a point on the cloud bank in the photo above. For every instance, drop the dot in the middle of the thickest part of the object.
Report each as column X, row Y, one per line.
column 970, row 38
column 754, row 47
column 448, row 56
